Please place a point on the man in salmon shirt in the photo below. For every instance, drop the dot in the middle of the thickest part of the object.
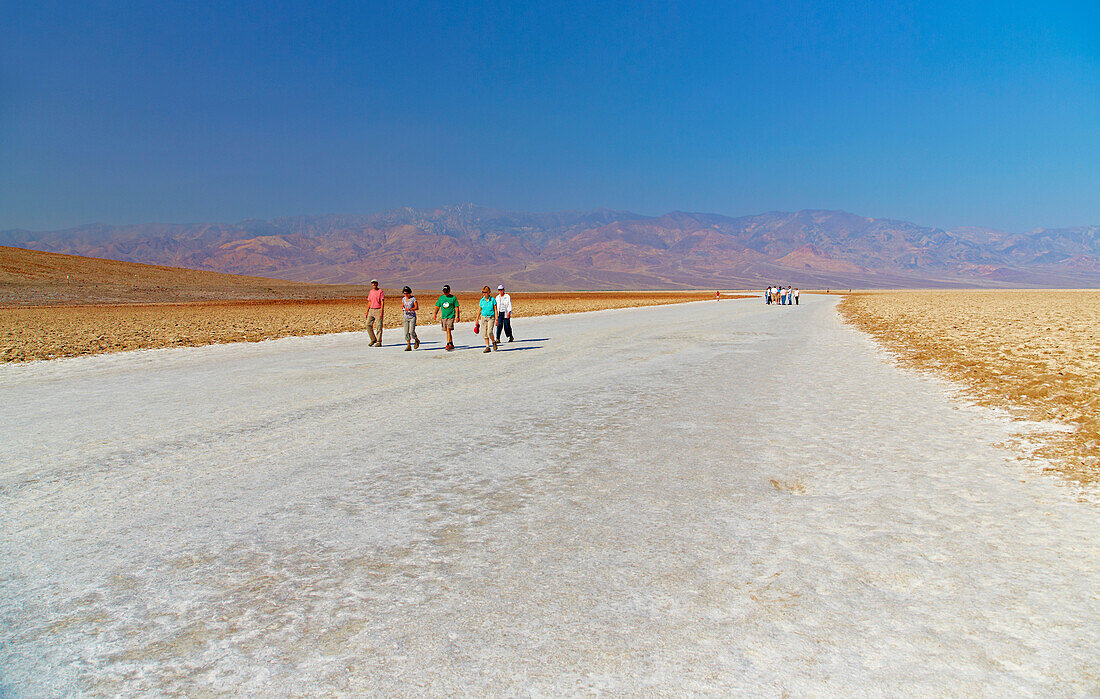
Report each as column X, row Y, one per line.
column 376, row 300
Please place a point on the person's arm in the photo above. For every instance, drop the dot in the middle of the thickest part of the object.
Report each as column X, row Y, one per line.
column 458, row 313
column 509, row 313
column 416, row 306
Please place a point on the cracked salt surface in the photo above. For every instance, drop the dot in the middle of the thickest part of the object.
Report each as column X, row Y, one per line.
column 696, row 498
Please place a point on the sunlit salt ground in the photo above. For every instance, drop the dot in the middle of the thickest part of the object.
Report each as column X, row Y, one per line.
column 712, row 497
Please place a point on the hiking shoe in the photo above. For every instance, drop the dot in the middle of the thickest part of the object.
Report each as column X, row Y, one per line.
column 408, row 348
column 511, row 339
column 495, row 344
column 416, row 343
column 450, row 347
column 487, row 350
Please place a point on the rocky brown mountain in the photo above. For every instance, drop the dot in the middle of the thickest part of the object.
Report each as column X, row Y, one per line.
column 601, row 249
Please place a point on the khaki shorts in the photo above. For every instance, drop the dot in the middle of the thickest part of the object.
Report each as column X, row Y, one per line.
column 448, row 323
column 486, row 326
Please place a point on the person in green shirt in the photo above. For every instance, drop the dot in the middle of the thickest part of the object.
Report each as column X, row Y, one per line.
column 451, row 315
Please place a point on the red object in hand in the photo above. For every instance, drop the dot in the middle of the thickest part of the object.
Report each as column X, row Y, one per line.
column 477, row 327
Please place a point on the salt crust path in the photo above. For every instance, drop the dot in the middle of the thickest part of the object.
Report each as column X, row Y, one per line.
column 594, row 511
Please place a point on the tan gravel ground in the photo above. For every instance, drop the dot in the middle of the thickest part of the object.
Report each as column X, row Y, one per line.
column 46, row 332
column 34, row 278
column 1034, row 352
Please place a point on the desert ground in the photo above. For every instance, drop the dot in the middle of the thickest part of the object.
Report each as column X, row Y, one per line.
column 33, row 278
column 66, row 306
column 47, row 332
column 1036, row 353
column 703, row 498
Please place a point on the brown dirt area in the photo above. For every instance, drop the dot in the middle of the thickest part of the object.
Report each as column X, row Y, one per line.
column 1036, row 353
column 34, row 278
column 46, row 332
column 55, row 305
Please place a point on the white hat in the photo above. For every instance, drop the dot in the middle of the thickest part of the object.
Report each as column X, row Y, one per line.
column 373, row 281
column 500, row 287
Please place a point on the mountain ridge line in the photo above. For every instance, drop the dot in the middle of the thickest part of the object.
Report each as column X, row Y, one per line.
column 597, row 249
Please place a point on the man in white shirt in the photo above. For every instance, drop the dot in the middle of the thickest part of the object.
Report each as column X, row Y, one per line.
column 796, row 297
column 504, row 314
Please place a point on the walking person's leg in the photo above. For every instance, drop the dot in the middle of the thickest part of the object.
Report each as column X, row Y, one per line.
column 500, row 325
column 487, row 332
column 416, row 340
column 374, row 318
column 409, row 323
column 507, row 329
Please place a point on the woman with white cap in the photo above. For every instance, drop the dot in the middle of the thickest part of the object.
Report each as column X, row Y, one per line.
column 504, row 313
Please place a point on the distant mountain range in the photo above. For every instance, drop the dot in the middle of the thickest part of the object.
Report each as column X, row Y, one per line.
column 469, row 245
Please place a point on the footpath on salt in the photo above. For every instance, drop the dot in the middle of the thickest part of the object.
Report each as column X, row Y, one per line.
column 708, row 497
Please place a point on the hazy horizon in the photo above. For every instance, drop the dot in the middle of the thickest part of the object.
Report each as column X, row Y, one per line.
column 517, row 211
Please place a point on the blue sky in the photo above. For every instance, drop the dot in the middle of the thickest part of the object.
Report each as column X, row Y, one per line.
column 941, row 113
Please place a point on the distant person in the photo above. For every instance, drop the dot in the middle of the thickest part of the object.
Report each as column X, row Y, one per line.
column 504, row 314
column 488, row 306
column 376, row 309
column 768, row 296
column 410, row 307
column 796, row 292
column 717, row 295
column 450, row 314
column 782, row 296
column 790, row 295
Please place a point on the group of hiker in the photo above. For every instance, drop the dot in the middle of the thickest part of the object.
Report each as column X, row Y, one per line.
column 495, row 312
column 782, row 297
